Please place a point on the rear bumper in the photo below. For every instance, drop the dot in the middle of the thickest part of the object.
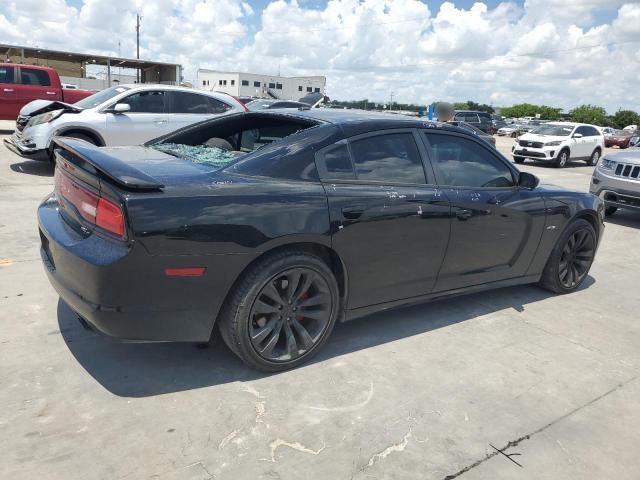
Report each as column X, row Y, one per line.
column 25, row 150
column 119, row 289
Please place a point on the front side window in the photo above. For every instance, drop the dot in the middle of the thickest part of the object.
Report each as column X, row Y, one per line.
column 31, row 76
column 146, row 102
column 245, row 83
column 463, row 163
column 388, row 158
column 256, row 84
column 185, row 102
column 7, row 74
column 317, row 90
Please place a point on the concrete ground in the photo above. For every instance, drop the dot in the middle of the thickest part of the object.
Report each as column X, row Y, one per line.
column 429, row 392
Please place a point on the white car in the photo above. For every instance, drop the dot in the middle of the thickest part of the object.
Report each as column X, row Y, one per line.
column 510, row 130
column 122, row 115
column 559, row 142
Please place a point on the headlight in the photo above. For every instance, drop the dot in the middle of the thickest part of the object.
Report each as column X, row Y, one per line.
column 44, row 118
column 555, row 143
column 606, row 164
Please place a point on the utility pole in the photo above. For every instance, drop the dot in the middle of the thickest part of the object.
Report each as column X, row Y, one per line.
column 138, row 17
column 390, row 100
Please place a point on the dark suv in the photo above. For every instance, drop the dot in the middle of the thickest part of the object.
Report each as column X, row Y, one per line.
column 481, row 120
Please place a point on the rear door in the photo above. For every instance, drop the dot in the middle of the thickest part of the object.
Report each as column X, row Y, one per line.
column 496, row 226
column 36, row 84
column 147, row 119
column 390, row 222
column 186, row 108
column 9, row 100
column 582, row 145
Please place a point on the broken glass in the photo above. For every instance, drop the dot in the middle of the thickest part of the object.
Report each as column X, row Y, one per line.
column 201, row 154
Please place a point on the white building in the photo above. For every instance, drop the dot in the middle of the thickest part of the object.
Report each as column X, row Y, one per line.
column 261, row 86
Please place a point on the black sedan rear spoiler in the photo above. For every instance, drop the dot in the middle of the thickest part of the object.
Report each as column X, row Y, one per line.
column 107, row 165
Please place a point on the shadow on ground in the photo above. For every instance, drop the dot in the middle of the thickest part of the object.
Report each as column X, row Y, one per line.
column 34, row 167
column 625, row 218
column 146, row 369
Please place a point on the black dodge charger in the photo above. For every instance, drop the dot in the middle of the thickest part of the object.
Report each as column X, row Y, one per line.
column 273, row 226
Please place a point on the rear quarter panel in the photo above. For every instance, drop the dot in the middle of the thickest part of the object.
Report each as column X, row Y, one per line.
column 230, row 216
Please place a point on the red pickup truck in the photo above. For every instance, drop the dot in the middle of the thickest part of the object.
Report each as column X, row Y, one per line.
column 20, row 84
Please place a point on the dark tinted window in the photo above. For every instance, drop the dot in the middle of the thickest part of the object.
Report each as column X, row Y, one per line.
column 146, row 102
column 185, row 102
column 245, row 83
column 337, row 163
column 592, row 132
column 6, row 74
column 30, row 76
column 272, row 85
column 388, row 158
column 256, row 84
column 484, row 116
column 584, row 131
column 470, row 118
column 463, row 163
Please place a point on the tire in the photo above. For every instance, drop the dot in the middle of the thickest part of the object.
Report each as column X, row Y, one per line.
column 258, row 304
column 518, row 160
column 595, row 156
column 608, row 211
column 563, row 158
column 566, row 261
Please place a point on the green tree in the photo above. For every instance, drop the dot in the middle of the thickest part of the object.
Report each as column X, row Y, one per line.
column 530, row 110
column 622, row 118
column 589, row 114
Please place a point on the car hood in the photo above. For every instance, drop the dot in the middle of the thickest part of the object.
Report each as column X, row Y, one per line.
column 37, row 107
column 628, row 156
column 534, row 137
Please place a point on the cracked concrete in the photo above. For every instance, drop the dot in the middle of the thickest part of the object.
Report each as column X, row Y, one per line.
column 420, row 392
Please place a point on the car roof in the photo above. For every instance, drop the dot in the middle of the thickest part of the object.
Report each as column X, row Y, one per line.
column 353, row 122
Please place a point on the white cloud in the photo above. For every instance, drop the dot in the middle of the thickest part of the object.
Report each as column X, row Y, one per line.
column 547, row 51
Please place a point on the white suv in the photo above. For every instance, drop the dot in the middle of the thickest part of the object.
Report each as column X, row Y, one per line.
column 122, row 115
column 559, row 142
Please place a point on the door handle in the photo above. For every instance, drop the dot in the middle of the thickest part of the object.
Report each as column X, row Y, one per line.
column 50, row 93
column 160, row 120
column 464, row 214
column 353, row 212
column 8, row 89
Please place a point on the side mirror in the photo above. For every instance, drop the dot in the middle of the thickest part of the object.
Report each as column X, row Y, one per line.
column 121, row 108
column 577, row 135
column 528, row 180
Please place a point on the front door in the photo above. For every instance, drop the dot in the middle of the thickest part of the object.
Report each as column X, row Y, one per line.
column 496, row 226
column 187, row 108
column 390, row 223
column 146, row 120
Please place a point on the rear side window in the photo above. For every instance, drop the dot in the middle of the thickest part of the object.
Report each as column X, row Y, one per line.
column 337, row 163
column 463, row 163
column 146, row 102
column 185, row 102
column 388, row 158
column 470, row 118
column 7, row 74
column 31, row 76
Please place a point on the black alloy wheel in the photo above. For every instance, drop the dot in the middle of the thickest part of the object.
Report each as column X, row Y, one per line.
column 571, row 258
column 577, row 256
column 290, row 314
column 281, row 310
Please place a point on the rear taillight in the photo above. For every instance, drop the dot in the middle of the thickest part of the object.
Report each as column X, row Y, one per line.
column 93, row 208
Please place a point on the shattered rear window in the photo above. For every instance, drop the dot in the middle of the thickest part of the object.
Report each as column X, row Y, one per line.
column 200, row 154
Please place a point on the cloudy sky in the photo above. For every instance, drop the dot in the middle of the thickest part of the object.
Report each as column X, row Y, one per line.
column 558, row 52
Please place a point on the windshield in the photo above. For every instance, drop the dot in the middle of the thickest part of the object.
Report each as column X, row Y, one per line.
column 100, row 97
column 554, row 130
